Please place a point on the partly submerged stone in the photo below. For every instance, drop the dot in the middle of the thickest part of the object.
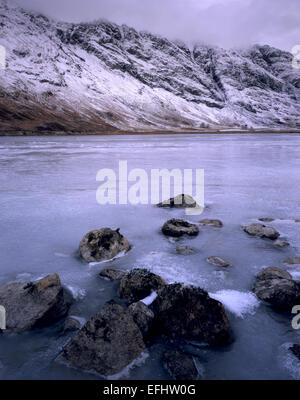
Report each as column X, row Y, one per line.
column 266, row 219
column 102, row 244
column 277, row 287
column 212, row 222
column 292, row 260
column 217, row 261
column 295, row 349
column 185, row 250
column 179, row 365
column 107, row 343
column 112, row 274
column 189, row 312
column 281, row 243
column 139, row 284
column 180, row 201
column 179, row 227
column 262, row 231
column 34, row 304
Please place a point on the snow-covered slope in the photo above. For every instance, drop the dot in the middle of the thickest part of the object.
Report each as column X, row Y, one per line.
column 102, row 77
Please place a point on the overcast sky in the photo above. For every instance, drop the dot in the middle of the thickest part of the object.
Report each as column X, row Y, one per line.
column 226, row 23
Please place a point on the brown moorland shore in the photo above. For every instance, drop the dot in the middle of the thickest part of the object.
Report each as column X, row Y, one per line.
column 154, row 132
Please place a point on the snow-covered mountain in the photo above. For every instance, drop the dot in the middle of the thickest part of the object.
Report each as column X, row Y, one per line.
column 104, row 77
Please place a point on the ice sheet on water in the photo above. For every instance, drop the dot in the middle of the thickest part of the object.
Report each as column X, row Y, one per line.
column 77, row 292
column 237, row 302
column 171, row 268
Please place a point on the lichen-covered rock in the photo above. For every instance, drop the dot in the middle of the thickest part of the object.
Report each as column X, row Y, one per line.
column 138, row 284
column 34, row 304
column 212, row 222
column 107, row 343
column 217, row 261
column 179, row 227
column 262, row 231
column 189, row 312
column 142, row 316
column 102, row 244
column 180, row 201
column 277, row 287
column 112, row 274
column 180, row 366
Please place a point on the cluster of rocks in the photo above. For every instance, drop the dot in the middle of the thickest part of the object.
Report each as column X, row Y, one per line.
column 117, row 335
column 120, row 332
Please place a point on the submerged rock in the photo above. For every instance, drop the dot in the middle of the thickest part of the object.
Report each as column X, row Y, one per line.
column 262, row 231
column 217, row 261
column 34, row 304
column 292, row 260
column 266, row 219
column 102, row 244
column 185, row 250
column 138, row 284
column 281, row 243
column 112, row 274
column 277, row 287
column 142, row 316
column 213, row 222
column 107, row 343
column 71, row 324
column 179, row 227
column 180, row 201
column 180, row 365
column 295, row 349
column 189, row 312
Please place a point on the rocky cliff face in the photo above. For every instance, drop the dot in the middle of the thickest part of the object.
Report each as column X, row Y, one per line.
column 104, row 77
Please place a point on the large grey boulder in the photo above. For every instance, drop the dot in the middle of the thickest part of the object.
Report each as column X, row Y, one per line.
column 179, row 227
column 102, row 244
column 139, row 284
column 180, row 201
column 34, row 304
column 188, row 312
column 107, row 343
column 277, row 287
column 262, row 231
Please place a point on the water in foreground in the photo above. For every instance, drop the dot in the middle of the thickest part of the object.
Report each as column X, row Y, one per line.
column 48, row 202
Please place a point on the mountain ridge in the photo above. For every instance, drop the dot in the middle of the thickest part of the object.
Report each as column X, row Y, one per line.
column 103, row 77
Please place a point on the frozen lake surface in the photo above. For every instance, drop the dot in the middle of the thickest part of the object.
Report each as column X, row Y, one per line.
column 48, row 202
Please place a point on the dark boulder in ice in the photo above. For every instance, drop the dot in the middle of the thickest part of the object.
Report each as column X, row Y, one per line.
column 107, row 343
column 178, row 227
column 262, row 231
column 34, row 304
column 189, row 312
column 102, row 244
column 180, row 201
column 277, row 287
column 138, row 284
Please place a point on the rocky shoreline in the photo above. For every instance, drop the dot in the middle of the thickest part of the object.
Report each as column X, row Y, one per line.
column 147, row 307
